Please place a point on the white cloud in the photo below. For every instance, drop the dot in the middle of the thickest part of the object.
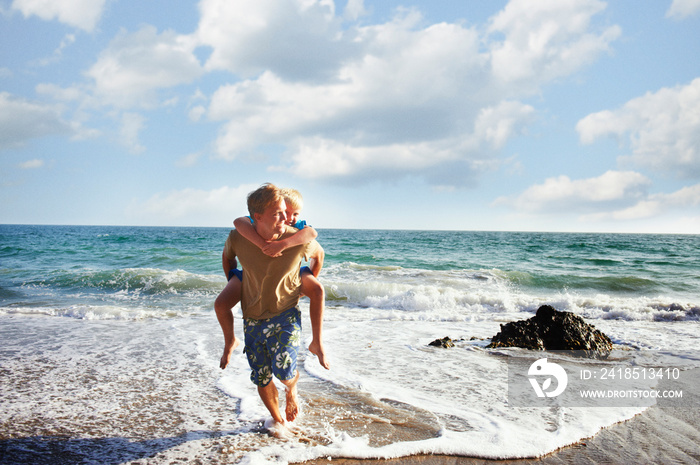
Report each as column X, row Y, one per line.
column 327, row 158
column 654, row 205
column 189, row 160
column 315, row 157
column 354, row 9
column 66, row 42
column 196, row 105
column 617, row 196
column 496, row 125
column 295, row 39
column 681, row 9
column 545, row 40
column 21, row 121
column 67, row 94
column 197, row 112
column 134, row 66
column 131, row 126
column 611, row 191
column 216, row 207
column 663, row 128
column 83, row 14
column 396, row 94
column 31, row 164
column 73, row 95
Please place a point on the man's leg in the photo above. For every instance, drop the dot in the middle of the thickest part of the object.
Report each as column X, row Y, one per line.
column 291, row 409
column 283, row 336
column 313, row 289
column 226, row 300
column 260, row 364
column 270, row 397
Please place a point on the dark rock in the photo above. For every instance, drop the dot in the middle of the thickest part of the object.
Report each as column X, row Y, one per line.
column 445, row 343
column 550, row 329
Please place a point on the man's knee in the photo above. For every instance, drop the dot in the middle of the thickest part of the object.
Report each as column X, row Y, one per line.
column 290, row 382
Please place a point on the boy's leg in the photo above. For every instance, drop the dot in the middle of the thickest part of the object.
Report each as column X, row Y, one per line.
column 226, row 300
column 313, row 289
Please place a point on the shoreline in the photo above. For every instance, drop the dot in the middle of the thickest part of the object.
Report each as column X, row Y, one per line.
column 657, row 435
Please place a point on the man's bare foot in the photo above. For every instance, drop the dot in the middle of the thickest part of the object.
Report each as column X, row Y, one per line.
column 227, row 353
column 292, row 403
column 317, row 349
column 278, row 429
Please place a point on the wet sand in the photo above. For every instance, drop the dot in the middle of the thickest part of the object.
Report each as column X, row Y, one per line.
column 657, row 436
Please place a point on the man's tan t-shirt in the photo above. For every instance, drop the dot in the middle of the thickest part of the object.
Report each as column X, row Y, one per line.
column 270, row 285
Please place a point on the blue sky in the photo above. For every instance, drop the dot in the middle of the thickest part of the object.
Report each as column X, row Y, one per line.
column 547, row 115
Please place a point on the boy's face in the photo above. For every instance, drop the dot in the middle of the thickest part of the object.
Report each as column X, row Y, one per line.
column 292, row 215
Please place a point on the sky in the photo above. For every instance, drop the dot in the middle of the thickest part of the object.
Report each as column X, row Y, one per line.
column 521, row 115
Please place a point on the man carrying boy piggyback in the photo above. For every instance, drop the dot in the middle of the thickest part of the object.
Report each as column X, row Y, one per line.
column 310, row 286
column 271, row 287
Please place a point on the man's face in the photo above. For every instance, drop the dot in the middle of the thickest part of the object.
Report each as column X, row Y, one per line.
column 272, row 220
column 292, row 215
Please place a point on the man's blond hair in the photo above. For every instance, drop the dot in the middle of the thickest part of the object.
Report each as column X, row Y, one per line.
column 292, row 198
column 263, row 197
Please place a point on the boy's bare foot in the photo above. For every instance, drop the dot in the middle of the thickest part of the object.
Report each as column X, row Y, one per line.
column 317, row 349
column 227, row 353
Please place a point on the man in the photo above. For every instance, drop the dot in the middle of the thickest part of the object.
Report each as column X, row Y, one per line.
column 270, row 295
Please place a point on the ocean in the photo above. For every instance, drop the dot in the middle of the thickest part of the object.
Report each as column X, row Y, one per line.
column 110, row 345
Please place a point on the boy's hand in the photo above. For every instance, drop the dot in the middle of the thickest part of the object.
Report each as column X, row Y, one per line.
column 274, row 249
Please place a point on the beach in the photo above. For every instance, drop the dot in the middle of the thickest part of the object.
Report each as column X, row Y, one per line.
column 111, row 349
column 654, row 436
column 160, row 411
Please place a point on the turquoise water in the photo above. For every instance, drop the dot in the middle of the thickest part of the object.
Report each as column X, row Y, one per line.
column 121, row 272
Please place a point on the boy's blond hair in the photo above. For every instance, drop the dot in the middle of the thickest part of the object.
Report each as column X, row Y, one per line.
column 263, row 197
column 292, row 198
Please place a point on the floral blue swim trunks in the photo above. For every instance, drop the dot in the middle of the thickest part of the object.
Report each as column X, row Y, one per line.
column 272, row 346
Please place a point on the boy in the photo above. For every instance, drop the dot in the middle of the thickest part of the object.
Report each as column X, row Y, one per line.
column 310, row 286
